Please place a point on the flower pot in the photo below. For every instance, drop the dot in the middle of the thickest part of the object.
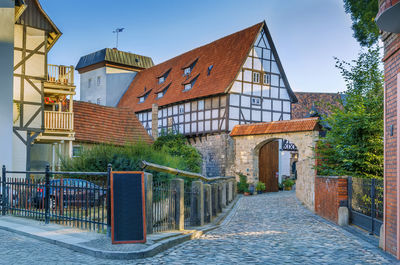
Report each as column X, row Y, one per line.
column 246, row 193
column 287, row 188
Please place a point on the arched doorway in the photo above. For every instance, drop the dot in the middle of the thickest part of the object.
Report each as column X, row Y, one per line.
column 268, row 163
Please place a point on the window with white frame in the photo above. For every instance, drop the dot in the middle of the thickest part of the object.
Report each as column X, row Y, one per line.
column 76, row 151
column 256, row 101
column 267, row 79
column 98, row 101
column 256, row 77
column 181, row 109
column 187, row 71
column 160, row 95
column 98, row 80
column 161, row 79
column 141, row 99
column 188, row 86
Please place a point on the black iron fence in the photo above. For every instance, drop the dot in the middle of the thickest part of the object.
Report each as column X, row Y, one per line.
column 164, row 201
column 366, row 203
column 65, row 198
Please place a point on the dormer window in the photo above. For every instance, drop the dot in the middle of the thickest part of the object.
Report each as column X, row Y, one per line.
column 189, row 85
column 142, row 97
column 162, row 92
column 187, row 69
column 161, row 78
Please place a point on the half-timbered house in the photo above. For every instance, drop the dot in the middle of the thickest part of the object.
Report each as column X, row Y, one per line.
column 41, row 105
column 205, row 92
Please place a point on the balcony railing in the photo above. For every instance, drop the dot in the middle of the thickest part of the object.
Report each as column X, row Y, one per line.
column 55, row 120
column 60, row 74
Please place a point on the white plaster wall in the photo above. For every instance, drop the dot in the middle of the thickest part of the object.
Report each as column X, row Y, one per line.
column 6, row 77
column 19, row 153
column 118, row 82
column 94, row 92
column 41, row 154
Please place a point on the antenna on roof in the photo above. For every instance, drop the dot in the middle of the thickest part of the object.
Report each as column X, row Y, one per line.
column 118, row 30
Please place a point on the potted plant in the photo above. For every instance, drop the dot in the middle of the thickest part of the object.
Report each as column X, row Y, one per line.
column 246, row 192
column 260, row 187
column 287, row 184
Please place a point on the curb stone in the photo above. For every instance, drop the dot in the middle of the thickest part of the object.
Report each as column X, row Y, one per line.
column 150, row 251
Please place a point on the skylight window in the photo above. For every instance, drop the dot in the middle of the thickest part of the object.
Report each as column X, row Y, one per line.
column 162, row 93
column 161, row 80
column 141, row 99
column 187, row 70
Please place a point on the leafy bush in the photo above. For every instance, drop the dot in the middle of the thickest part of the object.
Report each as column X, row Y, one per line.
column 122, row 158
column 242, row 185
column 288, row 183
column 176, row 145
column 260, row 186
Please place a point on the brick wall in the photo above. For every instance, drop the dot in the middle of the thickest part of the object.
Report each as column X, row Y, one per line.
column 329, row 191
column 392, row 68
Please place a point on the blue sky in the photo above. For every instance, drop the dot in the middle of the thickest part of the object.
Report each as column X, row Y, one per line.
column 308, row 34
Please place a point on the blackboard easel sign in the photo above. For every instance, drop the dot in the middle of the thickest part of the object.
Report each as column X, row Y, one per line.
column 128, row 220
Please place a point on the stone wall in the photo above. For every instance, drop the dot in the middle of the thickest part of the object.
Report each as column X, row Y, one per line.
column 246, row 159
column 329, row 191
column 217, row 151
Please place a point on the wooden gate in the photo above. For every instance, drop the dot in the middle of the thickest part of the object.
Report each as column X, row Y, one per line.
column 269, row 165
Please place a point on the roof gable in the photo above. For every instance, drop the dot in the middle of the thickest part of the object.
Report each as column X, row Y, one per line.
column 225, row 55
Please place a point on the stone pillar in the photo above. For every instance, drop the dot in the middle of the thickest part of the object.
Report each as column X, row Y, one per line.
column 178, row 185
column 154, row 121
column 197, row 204
column 214, row 199
column 230, row 190
column 207, row 203
column 7, row 16
column 223, row 199
column 219, row 208
column 148, row 186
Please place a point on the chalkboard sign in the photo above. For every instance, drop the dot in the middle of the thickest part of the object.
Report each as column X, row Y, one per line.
column 128, row 220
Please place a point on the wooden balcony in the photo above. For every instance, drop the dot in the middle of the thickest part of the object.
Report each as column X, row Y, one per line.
column 60, row 80
column 57, row 126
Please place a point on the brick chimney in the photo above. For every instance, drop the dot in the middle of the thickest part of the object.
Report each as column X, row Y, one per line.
column 154, row 121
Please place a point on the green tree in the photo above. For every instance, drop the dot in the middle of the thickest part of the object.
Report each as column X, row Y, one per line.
column 363, row 13
column 354, row 144
column 176, row 145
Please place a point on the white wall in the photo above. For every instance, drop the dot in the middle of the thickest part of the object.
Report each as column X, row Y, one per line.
column 94, row 92
column 118, row 81
column 6, row 77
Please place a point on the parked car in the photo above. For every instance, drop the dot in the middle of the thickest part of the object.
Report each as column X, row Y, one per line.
column 70, row 192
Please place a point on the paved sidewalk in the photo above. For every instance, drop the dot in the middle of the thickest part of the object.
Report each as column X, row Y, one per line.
column 271, row 228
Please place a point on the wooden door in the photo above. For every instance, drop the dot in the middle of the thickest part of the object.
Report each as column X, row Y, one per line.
column 268, row 164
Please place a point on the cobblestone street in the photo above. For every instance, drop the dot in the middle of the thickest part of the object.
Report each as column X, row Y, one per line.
column 270, row 229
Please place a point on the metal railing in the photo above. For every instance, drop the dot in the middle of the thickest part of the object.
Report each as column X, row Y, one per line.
column 56, row 197
column 60, row 74
column 164, row 200
column 366, row 203
column 57, row 120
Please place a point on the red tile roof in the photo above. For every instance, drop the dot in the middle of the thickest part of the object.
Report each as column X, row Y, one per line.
column 100, row 124
column 226, row 55
column 300, row 125
column 310, row 102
